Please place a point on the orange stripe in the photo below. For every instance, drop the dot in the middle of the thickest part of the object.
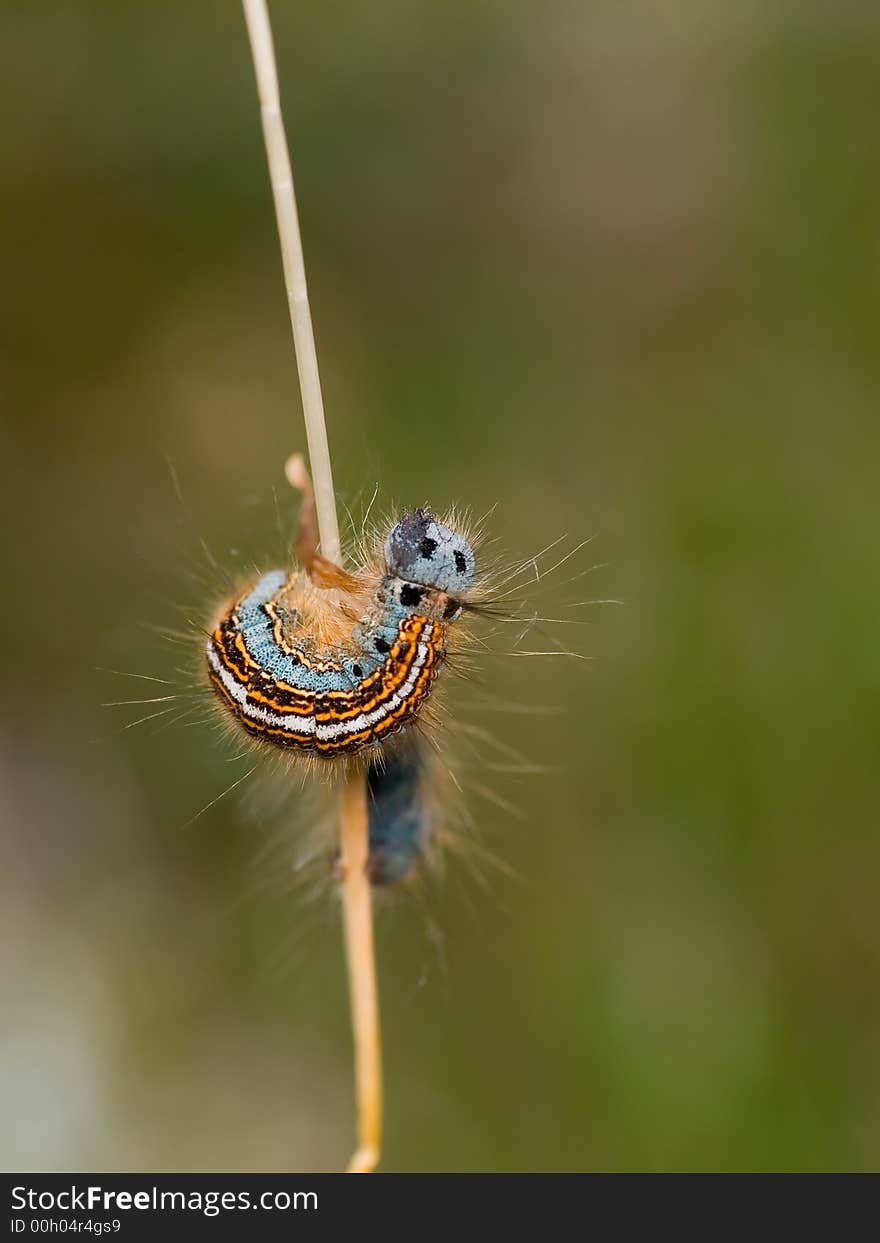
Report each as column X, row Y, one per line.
column 387, row 680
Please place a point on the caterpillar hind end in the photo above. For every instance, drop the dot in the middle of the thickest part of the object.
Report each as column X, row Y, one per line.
column 403, row 813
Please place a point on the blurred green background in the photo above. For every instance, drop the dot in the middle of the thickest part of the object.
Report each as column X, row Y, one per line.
column 625, row 258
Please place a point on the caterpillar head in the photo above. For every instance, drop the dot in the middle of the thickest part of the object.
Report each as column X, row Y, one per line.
column 424, row 553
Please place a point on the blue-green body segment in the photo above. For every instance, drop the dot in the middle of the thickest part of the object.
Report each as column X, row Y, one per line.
column 257, row 630
column 401, row 824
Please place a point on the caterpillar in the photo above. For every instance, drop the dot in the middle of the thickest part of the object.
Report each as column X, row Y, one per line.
column 330, row 665
column 331, row 676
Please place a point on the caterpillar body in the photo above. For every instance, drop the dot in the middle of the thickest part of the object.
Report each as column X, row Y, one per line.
column 403, row 820
column 332, row 676
column 331, row 665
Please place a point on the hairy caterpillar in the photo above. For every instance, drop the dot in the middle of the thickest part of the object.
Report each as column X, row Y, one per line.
column 331, row 676
column 338, row 672
column 330, row 665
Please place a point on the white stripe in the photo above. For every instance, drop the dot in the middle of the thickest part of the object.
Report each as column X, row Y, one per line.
column 339, row 729
column 238, row 692
column 325, row 732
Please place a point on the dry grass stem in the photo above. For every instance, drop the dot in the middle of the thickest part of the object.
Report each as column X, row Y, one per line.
column 354, row 841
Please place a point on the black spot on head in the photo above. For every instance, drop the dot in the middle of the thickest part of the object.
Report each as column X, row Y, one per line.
column 428, row 546
column 410, row 596
column 382, row 645
column 357, row 670
column 460, row 563
column 453, row 608
column 403, row 547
